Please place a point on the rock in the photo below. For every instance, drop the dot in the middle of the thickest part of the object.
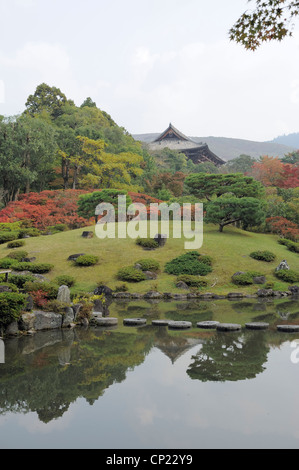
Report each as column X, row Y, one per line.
column 288, row 328
column 153, row 295
column 74, row 257
column 64, row 294
column 294, row 290
column 282, row 265
column 265, row 293
column 28, row 260
column 26, row 323
column 228, row 327
column 87, row 235
column 29, row 304
column 47, row 321
column 106, row 321
column 150, row 276
column 103, row 290
column 259, row 280
column 160, row 322
column 138, row 266
column 206, row 296
column 76, row 309
column 84, row 323
column 160, row 239
column 180, row 296
column 182, row 285
column 134, row 321
column 5, row 289
column 179, row 325
column 12, row 329
column 209, row 325
column 167, row 295
column 68, row 318
column 257, row 326
column 235, row 295
column 238, row 273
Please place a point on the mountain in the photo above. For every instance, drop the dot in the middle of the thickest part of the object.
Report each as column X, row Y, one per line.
column 228, row 148
column 291, row 140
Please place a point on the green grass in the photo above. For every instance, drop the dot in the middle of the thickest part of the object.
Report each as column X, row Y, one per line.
column 230, row 251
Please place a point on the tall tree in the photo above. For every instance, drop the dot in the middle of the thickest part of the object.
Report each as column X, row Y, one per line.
column 270, row 20
column 209, row 186
column 47, row 99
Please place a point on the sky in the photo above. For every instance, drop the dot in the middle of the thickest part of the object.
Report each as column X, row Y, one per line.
column 151, row 62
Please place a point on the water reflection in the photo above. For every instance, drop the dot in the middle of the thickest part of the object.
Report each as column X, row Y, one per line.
column 49, row 371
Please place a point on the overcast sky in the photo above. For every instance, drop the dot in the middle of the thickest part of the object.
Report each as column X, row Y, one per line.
column 151, row 62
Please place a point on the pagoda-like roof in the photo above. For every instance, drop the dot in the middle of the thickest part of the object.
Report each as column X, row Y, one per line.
column 173, row 139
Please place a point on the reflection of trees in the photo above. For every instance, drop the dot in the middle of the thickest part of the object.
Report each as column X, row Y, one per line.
column 230, row 357
column 38, row 382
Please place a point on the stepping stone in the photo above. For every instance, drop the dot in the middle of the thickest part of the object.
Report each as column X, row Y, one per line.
column 179, row 325
column 208, row 325
column 288, row 328
column 228, row 327
column 160, row 322
column 106, row 321
column 257, row 326
column 134, row 321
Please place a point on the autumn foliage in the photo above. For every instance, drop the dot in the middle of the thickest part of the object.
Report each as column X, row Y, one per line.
column 271, row 171
column 283, row 227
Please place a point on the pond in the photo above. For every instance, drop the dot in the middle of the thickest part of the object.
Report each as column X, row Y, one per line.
column 151, row 387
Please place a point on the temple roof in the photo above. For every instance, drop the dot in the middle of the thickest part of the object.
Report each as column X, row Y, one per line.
column 173, row 139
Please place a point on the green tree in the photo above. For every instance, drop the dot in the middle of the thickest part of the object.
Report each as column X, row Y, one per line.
column 292, row 158
column 47, row 99
column 241, row 164
column 248, row 211
column 27, row 155
column 87, row 203
column 270, row 20
column 209, row 186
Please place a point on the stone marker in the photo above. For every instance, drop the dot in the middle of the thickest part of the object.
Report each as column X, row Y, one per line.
column 64, row 294
column 179, row 325
column 228, row 327
column 106, row 321
column 288, row 328
column 257, row 326
column 209, row 325
column 134, row 321
column 160, row 322
column 282, row 265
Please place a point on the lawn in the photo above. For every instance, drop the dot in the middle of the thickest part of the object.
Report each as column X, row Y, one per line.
column 230, row 252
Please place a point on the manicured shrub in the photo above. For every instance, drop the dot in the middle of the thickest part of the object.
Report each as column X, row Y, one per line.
column 8, row 237
column 147, row 243
column 87, row 260
column 20, row 280
column 12, row 287
column 65, row 280
column 287, row 275
column 7, row 263
column 11, row 306
column 189, row 263
column 263, row 256
column 149, row 265
column 291, row 246
column 269, row 285
column 56, row 306
column 40, row 268
column 16, row 244
column 17, row 255
column 130, row 274
column 29, row 232
column 192, row 281
column 50, row 288
column 244, row 279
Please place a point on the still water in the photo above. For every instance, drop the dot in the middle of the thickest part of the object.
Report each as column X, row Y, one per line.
column 154, row 388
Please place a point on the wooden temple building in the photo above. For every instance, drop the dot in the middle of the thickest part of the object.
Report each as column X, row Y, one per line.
column 175, row 140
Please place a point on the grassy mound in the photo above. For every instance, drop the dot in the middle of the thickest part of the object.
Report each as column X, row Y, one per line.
column 230, row 252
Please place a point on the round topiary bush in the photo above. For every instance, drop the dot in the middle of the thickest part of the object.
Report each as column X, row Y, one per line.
column 38, row 268
column 65, row 280
column 8, row 263
column 86, row 260
column 263, row 256
column 16, row 244
column 130, row 274
column 11, row 306
column 287, row 275
column 147, row 243
column 189, row 263
column 149, row 265
column 244, row 279
column 17, row 255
